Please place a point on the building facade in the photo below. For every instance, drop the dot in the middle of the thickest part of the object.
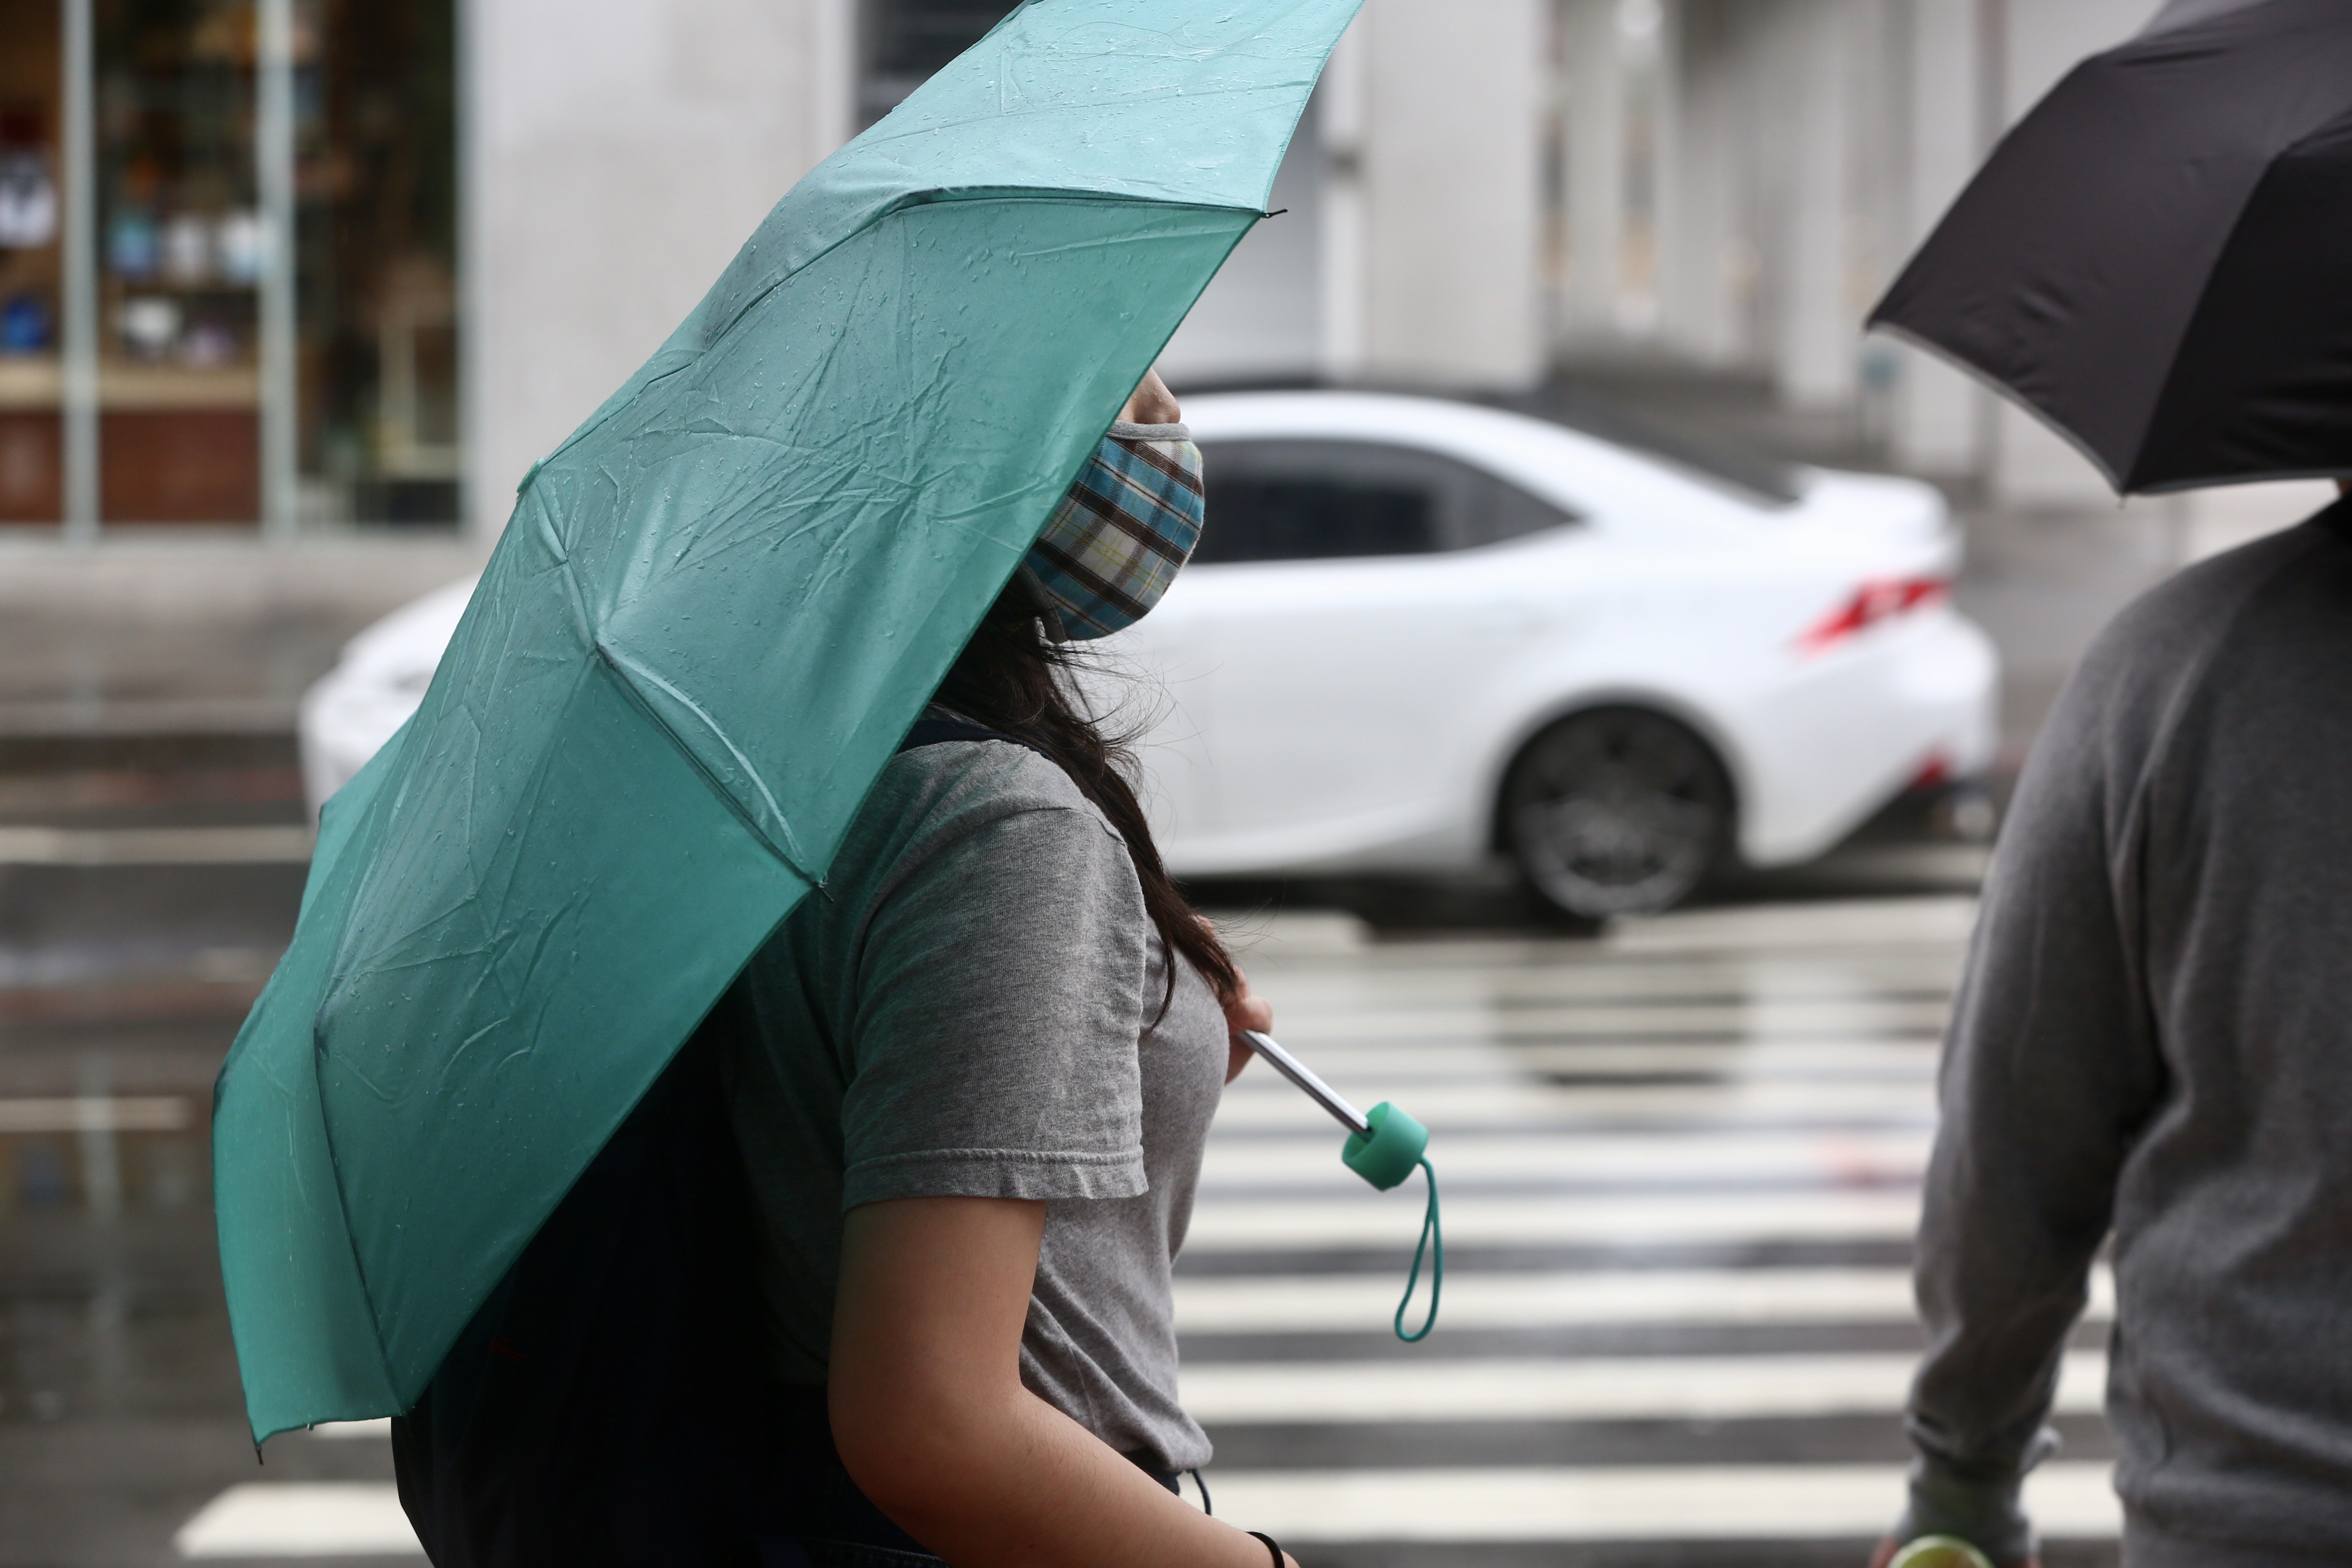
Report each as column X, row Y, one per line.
column 498, row 208
column 1741, row 179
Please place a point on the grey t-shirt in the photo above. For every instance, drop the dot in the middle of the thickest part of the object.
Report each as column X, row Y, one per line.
column 972, row 1008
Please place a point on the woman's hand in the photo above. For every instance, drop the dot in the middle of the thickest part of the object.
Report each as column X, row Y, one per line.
column 1247, row 1010
column 1152, row 403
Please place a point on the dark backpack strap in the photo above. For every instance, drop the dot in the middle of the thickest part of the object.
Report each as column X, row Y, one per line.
column 933, row 731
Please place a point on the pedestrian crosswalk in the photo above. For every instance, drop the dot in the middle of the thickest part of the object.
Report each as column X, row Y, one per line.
column 1709, row 1297
column 1681, row 1168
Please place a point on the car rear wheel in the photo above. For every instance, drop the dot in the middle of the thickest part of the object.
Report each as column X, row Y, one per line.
column 1617, row 811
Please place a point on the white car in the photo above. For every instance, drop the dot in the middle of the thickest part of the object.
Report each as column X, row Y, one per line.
column 1421, row 634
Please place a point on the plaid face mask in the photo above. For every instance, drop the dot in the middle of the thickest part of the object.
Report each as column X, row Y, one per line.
column 1115, row 541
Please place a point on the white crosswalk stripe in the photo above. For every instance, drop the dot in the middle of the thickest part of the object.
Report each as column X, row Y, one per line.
column 1788, row 1019
column 1338, row 1303
column 1727, row 1503
column 1465, row 1061
column 1730, row 1157
column 1362, row 1219
column 1615, row 1388
column 301, row 1518
column 1479, row 1106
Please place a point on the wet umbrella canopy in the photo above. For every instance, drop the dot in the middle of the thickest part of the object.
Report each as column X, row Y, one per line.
column 716, row 610
column 2155, row 260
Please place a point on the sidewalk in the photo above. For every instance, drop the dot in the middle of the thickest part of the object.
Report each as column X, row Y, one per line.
column 192, row 632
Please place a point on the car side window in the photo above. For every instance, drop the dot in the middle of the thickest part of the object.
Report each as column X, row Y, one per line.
column 1511, row 512
column 1322, row 501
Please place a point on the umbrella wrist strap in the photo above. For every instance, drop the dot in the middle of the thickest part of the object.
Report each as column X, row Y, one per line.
column 1433, row 1245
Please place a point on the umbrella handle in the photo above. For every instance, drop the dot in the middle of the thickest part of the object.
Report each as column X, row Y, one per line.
column 1384, row 1146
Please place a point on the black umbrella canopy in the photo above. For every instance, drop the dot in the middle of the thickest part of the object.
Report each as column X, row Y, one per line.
column 2158, row 259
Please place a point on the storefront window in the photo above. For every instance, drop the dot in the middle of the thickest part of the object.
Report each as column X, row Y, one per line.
column 234, row 381
column 31, row 223
column 376, row 291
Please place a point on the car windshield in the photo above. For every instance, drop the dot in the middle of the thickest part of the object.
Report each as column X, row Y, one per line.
column 1755, row 475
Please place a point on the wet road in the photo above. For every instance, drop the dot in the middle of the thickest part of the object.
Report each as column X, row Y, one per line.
column 1680, row 1164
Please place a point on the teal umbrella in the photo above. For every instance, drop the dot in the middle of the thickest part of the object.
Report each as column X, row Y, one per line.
column 716, row 608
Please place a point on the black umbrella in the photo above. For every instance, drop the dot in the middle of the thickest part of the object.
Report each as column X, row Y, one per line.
column 2157, row 260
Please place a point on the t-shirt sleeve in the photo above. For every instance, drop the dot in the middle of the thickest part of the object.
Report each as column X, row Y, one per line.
column 999, row 1001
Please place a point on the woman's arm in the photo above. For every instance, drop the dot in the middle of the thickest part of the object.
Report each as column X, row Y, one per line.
column 934, row 1425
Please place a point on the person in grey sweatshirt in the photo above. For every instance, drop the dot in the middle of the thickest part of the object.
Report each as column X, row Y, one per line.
column 2153, row 1043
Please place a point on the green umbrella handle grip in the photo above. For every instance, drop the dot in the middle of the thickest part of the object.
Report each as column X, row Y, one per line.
column 1939, row 1551
column 1393, row 1151
column 1389, row 1153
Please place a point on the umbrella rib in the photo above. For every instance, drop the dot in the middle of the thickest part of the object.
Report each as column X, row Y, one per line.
column 789, row 851
column 906, row 203
column 712, row 337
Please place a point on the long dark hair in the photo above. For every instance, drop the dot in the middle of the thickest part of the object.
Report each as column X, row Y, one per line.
column 1015, row 679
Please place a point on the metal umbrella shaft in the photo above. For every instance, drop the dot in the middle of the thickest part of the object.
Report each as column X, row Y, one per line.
column 1300, row 1073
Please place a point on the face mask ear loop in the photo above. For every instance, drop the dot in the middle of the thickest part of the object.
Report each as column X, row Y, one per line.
column 1042, row 602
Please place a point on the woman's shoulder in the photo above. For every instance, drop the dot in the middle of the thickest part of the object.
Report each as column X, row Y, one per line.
column 989, row 809
column 966, row 782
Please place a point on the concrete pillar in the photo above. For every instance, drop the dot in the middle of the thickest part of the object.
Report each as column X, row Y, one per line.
column 1593, row 159
column 2040, row 42
column 1698, row 201
column 1659, row 117
column 618, row 153
column 2045, row 39
column 1451, row 183
column 1941, row 415
column 1815, row 329
column 1341, row 118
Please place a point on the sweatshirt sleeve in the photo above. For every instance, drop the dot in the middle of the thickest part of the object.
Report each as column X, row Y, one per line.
column 2048, row 1071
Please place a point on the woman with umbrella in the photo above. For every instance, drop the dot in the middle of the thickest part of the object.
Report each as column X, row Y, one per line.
column 881, row 1267
column 2149, row 1045
column 971, row 1087
column 669, row 749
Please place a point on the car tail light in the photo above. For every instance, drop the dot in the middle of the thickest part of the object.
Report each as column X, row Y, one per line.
column 1883, row 599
